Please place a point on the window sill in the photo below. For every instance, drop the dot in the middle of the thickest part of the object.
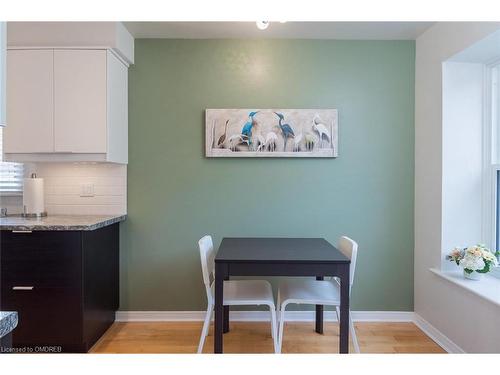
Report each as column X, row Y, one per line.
column 487, row 288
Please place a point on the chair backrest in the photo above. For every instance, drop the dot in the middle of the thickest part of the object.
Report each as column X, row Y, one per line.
column 349, row 248
column 207, row 256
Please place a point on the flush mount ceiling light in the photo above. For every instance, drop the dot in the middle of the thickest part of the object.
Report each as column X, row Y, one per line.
column 262, row 25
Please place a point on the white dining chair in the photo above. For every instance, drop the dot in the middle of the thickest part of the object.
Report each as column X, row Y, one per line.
column 236, row 292
column 318, row 292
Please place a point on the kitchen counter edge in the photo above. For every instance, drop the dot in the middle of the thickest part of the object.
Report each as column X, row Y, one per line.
column 61, row 223
column 8, row 321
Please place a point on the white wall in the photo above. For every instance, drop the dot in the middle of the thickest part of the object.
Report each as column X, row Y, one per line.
column 62, row 186
column 468, row 320
column 463, row 85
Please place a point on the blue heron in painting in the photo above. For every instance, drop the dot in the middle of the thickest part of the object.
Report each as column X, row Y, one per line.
column 247, row 128
column 286, row 129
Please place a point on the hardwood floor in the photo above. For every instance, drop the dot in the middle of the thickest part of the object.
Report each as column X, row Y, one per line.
column 255, row 337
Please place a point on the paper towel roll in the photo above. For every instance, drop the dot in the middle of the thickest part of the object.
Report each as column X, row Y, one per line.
column 33, row 201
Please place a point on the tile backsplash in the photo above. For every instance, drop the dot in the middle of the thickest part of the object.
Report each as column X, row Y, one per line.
column 63, row 186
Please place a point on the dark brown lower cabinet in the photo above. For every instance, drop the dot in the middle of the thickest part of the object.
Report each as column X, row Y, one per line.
column 63, row 284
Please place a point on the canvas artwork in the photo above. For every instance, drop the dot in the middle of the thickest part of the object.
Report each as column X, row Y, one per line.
column 271, row 133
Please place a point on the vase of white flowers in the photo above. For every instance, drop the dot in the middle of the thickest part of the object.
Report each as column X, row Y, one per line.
column 474, row 260
column 473, row 275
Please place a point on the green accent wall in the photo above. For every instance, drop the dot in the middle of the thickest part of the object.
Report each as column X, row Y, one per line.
column 176, row 195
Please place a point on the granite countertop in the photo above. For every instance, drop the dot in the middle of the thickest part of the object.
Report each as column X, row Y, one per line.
column 8, row 321
column 59, row 222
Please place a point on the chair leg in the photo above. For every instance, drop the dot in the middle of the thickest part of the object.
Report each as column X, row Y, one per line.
column 274, row 332
column 282, row 322
column 206, row 325
column 353, row 335
column 278, row 305
column 273, row 321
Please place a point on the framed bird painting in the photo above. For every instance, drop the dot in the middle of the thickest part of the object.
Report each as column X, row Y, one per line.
column 271, row 133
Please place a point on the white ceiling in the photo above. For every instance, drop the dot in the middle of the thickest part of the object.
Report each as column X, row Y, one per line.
column 288, row 30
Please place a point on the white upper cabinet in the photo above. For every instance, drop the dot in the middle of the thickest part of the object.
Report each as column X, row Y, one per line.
column 80, row 101
column 66, row 105
column 30, row 101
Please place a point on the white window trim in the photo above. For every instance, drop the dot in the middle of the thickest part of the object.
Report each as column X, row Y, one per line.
column 17, row 171
column 497, row 205
column 489, row 169
column 491, row 158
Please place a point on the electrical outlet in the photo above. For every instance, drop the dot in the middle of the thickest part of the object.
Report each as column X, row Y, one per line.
column 87, row 190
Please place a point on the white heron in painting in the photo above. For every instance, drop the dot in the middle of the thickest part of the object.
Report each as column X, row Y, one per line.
column 257, row 141
column 270, row 142
column 237, row 139
column 261, row 141
column 310, row 140
column 321, row 129
column 296, row 142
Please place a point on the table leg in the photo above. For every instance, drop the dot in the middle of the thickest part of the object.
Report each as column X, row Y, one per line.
column 344, row 310
column 319, row 313
column 220, row 275
column 226, row 317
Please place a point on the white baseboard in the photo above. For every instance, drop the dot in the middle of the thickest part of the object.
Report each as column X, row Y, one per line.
column 259, row 316
column 437, row 336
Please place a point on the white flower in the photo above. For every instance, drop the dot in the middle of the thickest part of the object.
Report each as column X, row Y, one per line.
column 474, row 251
column 489, row 256
column 472, row 262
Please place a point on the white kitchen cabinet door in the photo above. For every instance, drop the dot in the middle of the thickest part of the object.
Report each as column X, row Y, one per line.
column 30, row 102
column 80, row 101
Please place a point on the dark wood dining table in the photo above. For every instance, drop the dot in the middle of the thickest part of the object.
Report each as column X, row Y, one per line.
column 280, row 257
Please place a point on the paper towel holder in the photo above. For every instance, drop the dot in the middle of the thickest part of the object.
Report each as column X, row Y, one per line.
column 33, row 215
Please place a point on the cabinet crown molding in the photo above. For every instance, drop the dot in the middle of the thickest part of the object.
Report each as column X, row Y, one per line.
column 92, row 35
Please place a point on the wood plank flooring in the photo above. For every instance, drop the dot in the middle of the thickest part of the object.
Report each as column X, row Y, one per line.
column 255, row 337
